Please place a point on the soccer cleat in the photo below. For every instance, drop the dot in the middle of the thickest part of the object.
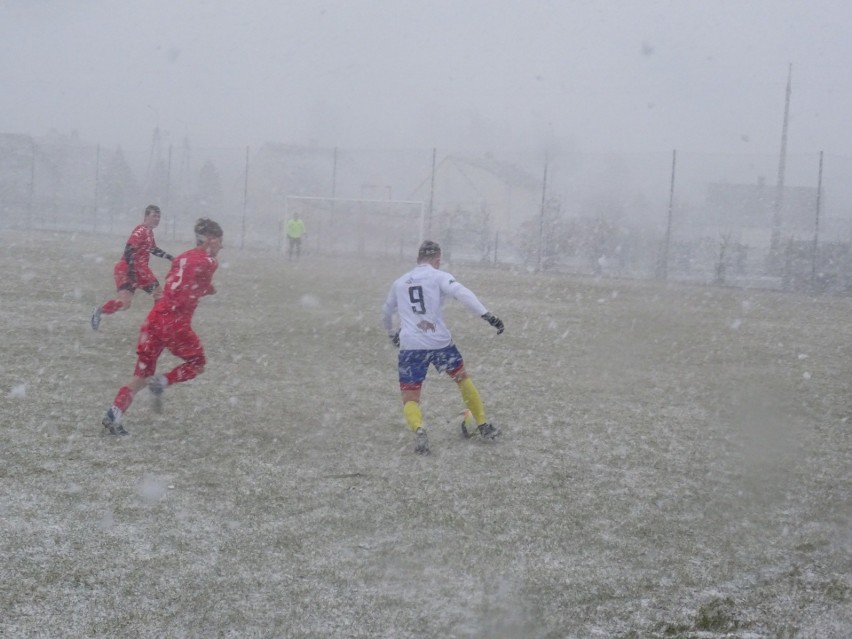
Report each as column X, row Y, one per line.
column 96, row 318
column 112, row 421
column 421, row 442
column 487, row 431
column 157, row 385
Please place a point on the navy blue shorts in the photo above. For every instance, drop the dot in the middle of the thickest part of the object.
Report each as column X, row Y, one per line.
column 413, row 365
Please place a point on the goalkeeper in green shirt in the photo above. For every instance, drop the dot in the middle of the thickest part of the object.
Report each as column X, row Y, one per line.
column 295, row 232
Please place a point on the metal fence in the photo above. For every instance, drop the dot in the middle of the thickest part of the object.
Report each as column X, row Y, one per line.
column 714, row 218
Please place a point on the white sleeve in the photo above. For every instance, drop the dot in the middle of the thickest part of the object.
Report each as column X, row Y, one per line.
column 466, row 297
column 388, row 310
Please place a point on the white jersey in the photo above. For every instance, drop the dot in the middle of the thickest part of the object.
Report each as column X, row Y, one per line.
column 418, row 298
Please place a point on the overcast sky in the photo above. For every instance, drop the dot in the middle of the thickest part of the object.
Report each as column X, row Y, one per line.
column 593, row 75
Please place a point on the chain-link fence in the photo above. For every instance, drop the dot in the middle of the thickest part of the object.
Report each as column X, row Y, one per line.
column 716, row 218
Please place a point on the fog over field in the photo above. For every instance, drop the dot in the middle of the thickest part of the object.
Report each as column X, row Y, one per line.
column 676, row 457
column 675, row 460
column 484, row 75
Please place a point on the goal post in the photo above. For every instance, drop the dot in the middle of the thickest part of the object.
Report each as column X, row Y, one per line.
column 350, row 226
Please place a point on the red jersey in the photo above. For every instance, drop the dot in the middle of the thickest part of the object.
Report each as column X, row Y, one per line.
column 190, row 278
column 134, row 263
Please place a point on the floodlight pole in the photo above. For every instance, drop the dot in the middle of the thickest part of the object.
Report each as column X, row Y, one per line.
column 431, row 195
column 664, row 260
column 775, row 240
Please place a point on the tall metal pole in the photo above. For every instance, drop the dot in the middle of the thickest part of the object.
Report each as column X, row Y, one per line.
column 245, row 201
column 31, row 199
column 816, row 226
column 775, row 240
column 664, row 260
column 318, row 219
column 431, row 195
column 541, row 218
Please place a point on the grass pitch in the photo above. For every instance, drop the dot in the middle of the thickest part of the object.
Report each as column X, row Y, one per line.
column 675, row 462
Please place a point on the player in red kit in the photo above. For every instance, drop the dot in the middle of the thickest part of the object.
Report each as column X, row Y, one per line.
column 132, row 270
column 169, row 325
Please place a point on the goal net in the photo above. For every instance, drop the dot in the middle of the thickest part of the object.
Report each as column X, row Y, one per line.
column 342, row 226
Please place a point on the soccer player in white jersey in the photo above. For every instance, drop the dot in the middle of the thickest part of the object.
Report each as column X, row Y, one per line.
column 423, row 339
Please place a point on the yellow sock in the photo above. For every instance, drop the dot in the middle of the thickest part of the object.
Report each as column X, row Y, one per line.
column 413, row 416
column 471, row 399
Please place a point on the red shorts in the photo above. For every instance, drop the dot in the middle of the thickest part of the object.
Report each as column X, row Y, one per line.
column 122, row 283
column 163, row 331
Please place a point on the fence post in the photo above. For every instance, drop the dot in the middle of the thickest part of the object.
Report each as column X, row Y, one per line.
column 245, row 201
column 31, row 196
column 663, row 269
column 816, row 227
column 97, row 187
column 541, row 218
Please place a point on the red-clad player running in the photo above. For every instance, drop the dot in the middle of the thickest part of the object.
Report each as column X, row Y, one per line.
column 169, row 325
column 132, row 270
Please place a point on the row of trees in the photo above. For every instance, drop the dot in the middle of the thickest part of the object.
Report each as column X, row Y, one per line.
column 61, row 177
column 596, row 216
column 119, row 188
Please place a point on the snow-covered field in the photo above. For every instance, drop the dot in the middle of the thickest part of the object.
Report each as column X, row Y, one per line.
column 676, row 460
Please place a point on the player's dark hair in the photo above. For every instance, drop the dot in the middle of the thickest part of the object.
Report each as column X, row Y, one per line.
column 428, row 250
column 205, row 227
column 152, row 208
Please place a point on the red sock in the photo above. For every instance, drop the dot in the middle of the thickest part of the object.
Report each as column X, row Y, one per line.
column 123, row 399
column 182, row 373
column 111, row 307
column 190, row 369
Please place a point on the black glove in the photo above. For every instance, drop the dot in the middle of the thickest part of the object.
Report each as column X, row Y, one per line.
column 170, row 258
column 150, row 288
column 494, row 321
column 394, row 337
